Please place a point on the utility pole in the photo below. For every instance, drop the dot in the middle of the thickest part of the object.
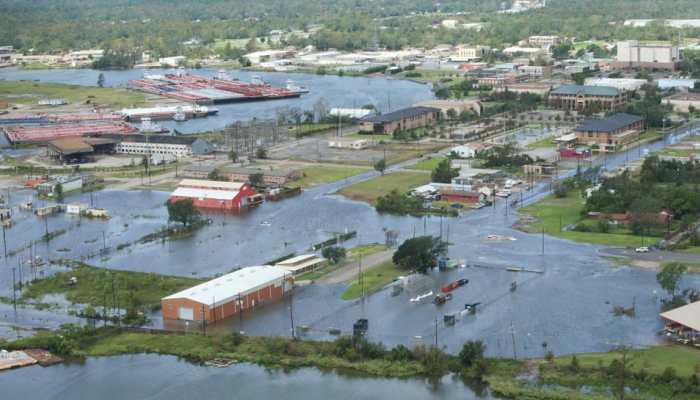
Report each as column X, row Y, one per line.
column 360, row 278
column 204, row 322
column 4, row 240
column 46, row 226
column 436, row 333
column 14, row 294
column 512, row 335
column 240, row 312
column 291, row 309
column 104, row 242
column 543, row 240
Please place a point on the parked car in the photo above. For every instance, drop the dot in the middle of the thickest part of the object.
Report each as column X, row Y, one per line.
column 642, row 249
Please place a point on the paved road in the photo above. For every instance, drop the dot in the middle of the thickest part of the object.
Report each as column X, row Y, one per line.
column 656, row 256
column 350, row 270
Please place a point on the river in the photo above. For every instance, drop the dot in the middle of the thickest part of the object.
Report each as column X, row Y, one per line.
column 334, row 91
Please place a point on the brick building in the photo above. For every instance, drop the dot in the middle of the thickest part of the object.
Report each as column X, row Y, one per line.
column 227, row 295
column 591, row 98
column 610, row 132
column 407, row 118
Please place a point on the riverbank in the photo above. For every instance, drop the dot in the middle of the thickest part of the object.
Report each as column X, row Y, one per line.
column 29, row 93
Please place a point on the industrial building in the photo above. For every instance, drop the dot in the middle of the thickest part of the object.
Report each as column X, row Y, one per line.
column 175, row 146
column 610, row 132
column 683, row 323
column 635, row 54
column 216, row 195
column 243, row 290
column 301, row 264
column 77, row 149
column 276, row 177
column 591, row 98
column 407, row 118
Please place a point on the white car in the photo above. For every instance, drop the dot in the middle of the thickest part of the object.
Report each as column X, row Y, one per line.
column 642, row 249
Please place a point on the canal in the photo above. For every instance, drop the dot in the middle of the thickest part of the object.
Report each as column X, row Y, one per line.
column 168, row 378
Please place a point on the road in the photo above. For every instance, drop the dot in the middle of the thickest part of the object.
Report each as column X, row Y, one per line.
column 654, row 256
column 350, row 269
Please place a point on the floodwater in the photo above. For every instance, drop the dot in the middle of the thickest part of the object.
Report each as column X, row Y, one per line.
column 334, row 91
column 167, row 378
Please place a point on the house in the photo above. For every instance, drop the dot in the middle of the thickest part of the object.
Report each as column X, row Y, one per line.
column 243, row 290
column 404, row 119
column 610, row 132
column 216, row 195
column 592, row 98
column 683, row 322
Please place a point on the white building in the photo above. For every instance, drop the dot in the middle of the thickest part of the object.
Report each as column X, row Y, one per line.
column 174, row 61
column 544, row 41
column 155, row 144
column 466, row 150
column 635, row 54
column 468, row 53
column 357, row 144
column 624, row 84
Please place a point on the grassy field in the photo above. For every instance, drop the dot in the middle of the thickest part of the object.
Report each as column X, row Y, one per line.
column 26, row 92
column 427, row 164
column 374, row 279
column 553, row 213
column 685, row 360
column 545, row 143
column 320, row 174
column 372, row 189
column 146, row 288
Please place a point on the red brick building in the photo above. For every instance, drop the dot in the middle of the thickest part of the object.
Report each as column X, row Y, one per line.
column 404, row 119
column 227, row 295
column 216, row 195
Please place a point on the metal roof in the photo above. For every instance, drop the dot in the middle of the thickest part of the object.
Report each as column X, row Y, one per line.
column 207, row 184
column 586, row 90
column 688, row 315
column 228, row 287
column 205, row 193
column 609, row 124
column 400, row 114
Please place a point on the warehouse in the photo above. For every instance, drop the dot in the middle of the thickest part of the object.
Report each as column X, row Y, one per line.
column 227, row 295
column 216, row 195
column 404, row 119
column 683, row 323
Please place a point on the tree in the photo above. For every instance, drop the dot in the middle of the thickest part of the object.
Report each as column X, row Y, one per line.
column 670, row 275
column 380, row 166
column 261, row 153
column 182, row 211
column 233, row 156
column 214, row 175
column 419, row 253
column 334, row 254
column 256, row 179
column 58, row 191
column 443, row 172
column 101, row 80
column 451, row 113
column 471, row 352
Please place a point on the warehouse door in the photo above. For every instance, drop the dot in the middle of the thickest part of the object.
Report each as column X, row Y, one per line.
column 185, row 313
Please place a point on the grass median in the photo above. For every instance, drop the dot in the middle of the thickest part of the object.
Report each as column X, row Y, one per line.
column 373, row 280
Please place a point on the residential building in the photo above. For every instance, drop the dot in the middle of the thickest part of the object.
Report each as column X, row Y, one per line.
column 243, row 290
column 407, row 118
column 216, row 195
column 635, row 54
column 544, row 41
column 683, row 102
column 611, row 132
column 592, row 98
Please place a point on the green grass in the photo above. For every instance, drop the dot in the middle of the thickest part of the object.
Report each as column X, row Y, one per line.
column 374, row 279
column 320, row 174
column 654, row 360
column 26, row 92
column 146, row 288
column 692, row 250
column 677, row 152
column 552, row 211
column 693, row 268
column 427, row 164
column 372, row 189
column 545, row 143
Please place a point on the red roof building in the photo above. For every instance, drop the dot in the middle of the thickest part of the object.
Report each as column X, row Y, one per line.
column 215, row 195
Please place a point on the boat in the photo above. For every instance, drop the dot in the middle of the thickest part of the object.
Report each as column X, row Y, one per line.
column 148, row 126
column 454, row 285
column 293, row 87
column 256, row 80
column 515, row 269
column 421, row 297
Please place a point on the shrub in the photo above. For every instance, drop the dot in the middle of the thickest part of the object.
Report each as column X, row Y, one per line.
column 574, row 366
column 472, row 351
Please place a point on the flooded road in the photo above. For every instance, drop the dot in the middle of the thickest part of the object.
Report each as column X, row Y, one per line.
column 167, row 378
column 334, row 91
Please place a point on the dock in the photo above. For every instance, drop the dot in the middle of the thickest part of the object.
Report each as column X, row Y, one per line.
column 15, row 359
